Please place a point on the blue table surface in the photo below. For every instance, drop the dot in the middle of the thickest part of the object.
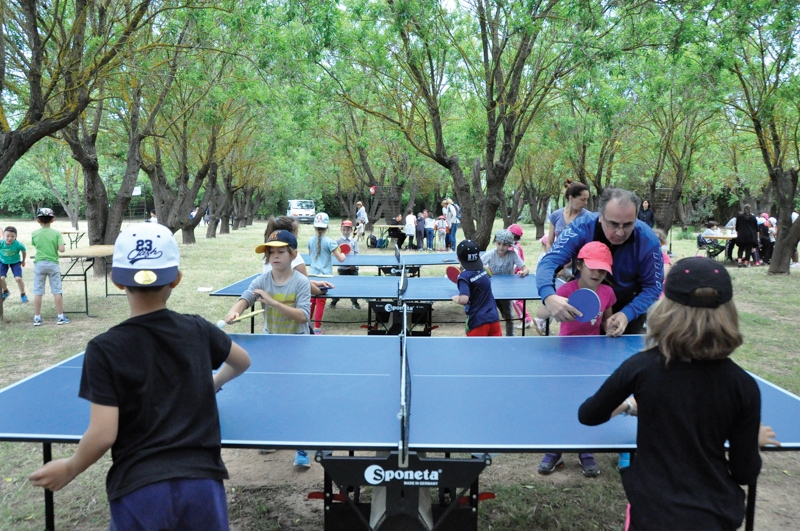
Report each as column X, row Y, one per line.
column 505, row 287
column 342, row 392
column 389, row 259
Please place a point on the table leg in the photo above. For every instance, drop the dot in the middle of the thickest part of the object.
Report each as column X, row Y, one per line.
column 49, row 512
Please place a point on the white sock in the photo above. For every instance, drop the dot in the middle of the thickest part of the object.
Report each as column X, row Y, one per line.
column 61, row 316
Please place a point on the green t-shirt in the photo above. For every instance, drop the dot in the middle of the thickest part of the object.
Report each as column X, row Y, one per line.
column 46, row 241
column 9, row 254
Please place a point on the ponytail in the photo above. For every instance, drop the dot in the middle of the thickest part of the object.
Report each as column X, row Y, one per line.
column 320, row 233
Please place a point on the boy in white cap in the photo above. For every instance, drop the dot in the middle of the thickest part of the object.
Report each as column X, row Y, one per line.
column 48, row 243
column 503, row 261
column 152, row 393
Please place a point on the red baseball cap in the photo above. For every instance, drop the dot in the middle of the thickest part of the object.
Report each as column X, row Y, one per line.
column 515, row 229
column 347, row 223
column 596, row 255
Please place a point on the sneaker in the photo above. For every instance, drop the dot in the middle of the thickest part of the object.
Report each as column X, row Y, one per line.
column 62, row 320
column 37, row 321
column 6, row 294
column 317, row 331
column 589, row 466
column 527, row 324
column 624, row 460
column 301, row 459
column 549, row 463
column 794, row 265
column 24, row 299
column 540, row 326
column 356, row 306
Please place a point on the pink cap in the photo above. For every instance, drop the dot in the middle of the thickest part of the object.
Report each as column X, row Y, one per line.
column 596, row 255
column 515, row 229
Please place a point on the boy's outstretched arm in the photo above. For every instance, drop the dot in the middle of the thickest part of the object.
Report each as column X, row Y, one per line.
column 99, row 437
column 237, row 362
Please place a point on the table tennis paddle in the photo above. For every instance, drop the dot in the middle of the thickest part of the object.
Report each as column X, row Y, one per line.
column 345, row 248
column 587, row 302
column 221, row 323
column 452, row 273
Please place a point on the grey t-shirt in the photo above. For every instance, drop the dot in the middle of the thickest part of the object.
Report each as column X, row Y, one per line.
column 504, row 265
column 296, row 292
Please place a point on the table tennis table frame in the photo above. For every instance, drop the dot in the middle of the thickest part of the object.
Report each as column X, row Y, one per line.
column 86, row 264
column 352, row 480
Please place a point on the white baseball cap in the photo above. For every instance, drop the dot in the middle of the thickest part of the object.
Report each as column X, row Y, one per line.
column 321, row 220
column 145, row 254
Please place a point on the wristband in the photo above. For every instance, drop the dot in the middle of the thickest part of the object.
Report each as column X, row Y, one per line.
column 630, row 407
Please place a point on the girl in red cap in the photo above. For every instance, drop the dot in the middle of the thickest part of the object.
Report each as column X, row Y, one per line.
column 594, row 263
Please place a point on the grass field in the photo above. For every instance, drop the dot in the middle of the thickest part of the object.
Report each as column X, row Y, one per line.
column 768, row 306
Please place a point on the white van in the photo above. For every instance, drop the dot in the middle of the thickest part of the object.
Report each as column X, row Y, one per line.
column 302, row 209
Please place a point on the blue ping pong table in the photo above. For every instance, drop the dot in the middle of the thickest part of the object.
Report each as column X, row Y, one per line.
column 417, row 289
column 545, row 378
column 388, row 260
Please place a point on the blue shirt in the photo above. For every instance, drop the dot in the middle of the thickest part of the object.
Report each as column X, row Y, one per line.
column 482, row 308
column 321, row 265
column 638, row 270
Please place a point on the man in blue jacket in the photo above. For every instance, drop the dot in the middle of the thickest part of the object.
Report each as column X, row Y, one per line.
column 638, row 270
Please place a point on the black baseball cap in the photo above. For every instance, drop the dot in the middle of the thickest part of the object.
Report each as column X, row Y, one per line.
column 469, row 255
column 695, row 272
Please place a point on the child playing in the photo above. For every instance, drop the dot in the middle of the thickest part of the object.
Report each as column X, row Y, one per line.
column 48, row 243
column 690, row 399
column 285, row 296
column 321, row 249
column 347, row 233
column 441, row 233
column 10, row 250
column 499, row 261
column 290, row 224
column 152, row 393
column 516, row 231
column 594, row 262
column 475, row 293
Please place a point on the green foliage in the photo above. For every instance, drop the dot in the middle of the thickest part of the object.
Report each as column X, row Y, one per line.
column 23, row 191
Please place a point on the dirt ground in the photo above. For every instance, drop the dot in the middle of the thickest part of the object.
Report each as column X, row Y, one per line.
column 776, row 507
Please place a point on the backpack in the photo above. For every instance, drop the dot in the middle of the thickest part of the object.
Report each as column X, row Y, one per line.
column 458, row 211
column 372, row 242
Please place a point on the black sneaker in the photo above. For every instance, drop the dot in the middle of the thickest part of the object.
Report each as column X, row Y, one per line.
column 549, row 463
column 589, row 466
column 356, row 306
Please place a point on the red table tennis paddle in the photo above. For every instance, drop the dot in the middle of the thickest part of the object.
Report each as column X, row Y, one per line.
column 452, row 273
column 345, row 248
column 587, row 302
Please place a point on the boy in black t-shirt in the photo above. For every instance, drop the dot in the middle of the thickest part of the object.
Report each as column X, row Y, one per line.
column 475, row 293
column 149, row 381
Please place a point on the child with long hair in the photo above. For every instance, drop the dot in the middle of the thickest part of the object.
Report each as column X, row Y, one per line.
column 690, row 398
column 321, row 249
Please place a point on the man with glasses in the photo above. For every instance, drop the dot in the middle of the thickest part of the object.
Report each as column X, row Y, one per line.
column 638, row 270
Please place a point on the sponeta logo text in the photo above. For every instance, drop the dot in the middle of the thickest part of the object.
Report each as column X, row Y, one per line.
column 375, row 475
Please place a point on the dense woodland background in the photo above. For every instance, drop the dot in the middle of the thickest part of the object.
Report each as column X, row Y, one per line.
column 237, row 106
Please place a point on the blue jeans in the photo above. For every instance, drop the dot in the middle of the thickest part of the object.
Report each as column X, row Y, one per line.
column 429, row 237
column 453, row 240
